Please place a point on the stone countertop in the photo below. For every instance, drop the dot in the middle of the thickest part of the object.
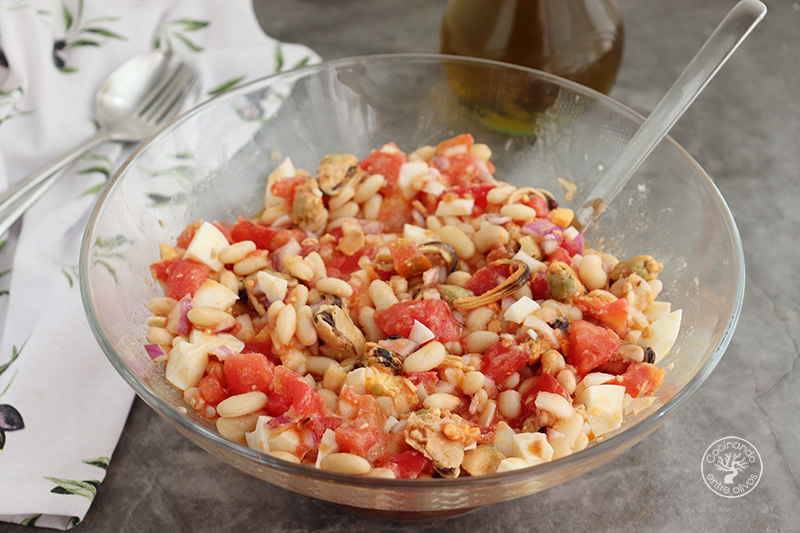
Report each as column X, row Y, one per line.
column 744, row 131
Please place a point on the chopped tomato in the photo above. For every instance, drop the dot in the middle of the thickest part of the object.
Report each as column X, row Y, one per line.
column 559, row 254
column 461, row 169
column 341, row 266
column 365, row 435
column 572, row 246
column 501, row 361
column 262, row 347
column 285, row 235
column 285, row 187
column 465, row 139
column 487, row 278
column 318, row 425
column 247, row 372
column 395, row 212
column 225, row 228
column 589, row 346
column 185, row 276
column 409, row 464
column 641, row 379
column 613, row 315
column 212, row 390
column 539, row 205
column 540, row 289
column 385, row 164
column 297, row 392
column 262, row 235
column 187, row 235
column 544, row 383
column 478, row 193
column 159, row 269
column 434, row 314
column 408, row 260
column 427, row 380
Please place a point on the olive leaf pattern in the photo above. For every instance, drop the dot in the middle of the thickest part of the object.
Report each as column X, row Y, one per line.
column 71, row 273
column 10, row 417
column 86, row 488
column 98, row 164
column 78, row 33
column 105, row 252
column 10, row 104
column 176, row 31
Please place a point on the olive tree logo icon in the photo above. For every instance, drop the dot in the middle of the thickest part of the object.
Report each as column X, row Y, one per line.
column 731, row 467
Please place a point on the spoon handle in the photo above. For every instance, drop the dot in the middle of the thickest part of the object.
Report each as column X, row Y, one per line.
column 730, row 33
column 18, row 198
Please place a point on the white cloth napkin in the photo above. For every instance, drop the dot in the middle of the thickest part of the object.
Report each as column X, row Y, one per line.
column 62, row 406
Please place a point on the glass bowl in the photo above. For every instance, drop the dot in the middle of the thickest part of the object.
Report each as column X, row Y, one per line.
column 213, row 161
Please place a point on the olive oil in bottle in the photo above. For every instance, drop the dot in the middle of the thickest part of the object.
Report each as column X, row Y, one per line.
column 580, row 40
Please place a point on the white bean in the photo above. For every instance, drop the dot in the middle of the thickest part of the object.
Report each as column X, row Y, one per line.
column 480, row 341
column 369, row 188
column 285, row 325
column 509, row 403
column 382, row 295
column 346, row 463
column 441, row 401
column 335, row 286
column 242, row 404
column 236, row 252
column 426, row 358
column 591, row 272
column 461, row 243
column 518, row 212
column 306, row 333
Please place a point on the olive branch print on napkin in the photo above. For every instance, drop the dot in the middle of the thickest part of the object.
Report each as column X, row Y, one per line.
column 78, row 33
column 86, row 488
column 177, row 30
column 10, row 418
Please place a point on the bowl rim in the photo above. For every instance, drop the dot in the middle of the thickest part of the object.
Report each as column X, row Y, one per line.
column 603, row 446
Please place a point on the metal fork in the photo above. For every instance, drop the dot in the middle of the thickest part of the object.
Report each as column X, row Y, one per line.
column 172, row 82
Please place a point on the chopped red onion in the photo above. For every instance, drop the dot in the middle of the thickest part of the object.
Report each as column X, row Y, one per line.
column 542, row 228
column 221, row 352
column 483, row 172
column 442, row 163
column 154, row 351
column 430, row 276
column 290, row 248
column 494, row 218
column 226, row 327
column 184, row 326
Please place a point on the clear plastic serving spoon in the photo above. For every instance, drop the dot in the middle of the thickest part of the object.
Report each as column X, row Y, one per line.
column 135, row 101
column 730, row 33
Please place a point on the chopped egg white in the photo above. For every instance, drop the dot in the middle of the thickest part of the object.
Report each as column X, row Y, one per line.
column 532, row 447
column 409, row 171
column 520, row 309
column 259, row 438
column 418, row 234
column 327, row 446
column 186, row 365
column 603, row 407
column 208, row 241
column 287, row 440
column 214, row 295
column 272, row 286
column 504, row 438
column 455, row 207
column 420, row 333
column 214, row 341
column 284, row 170
column 656, row 310
column 663, row 333
column 533, row 264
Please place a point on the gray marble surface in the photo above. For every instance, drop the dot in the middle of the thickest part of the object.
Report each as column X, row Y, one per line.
column 744, row 131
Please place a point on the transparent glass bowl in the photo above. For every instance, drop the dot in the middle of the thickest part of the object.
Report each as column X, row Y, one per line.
column 213, row 161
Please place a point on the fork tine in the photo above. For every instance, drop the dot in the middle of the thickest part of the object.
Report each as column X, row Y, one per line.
column 176, row 98
column 167, row 97
column 175, row 79
column 159, row 87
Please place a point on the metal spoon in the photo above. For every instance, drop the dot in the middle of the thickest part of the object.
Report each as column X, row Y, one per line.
column 134, row 102
column 730, row 33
